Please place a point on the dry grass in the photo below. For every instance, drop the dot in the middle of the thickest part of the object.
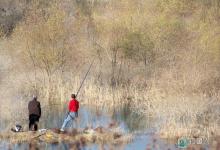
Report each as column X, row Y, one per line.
column 176, row 113
column 183, row 115
column 98, row 135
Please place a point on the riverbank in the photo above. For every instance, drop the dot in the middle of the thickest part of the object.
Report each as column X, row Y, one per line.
column 121, row 121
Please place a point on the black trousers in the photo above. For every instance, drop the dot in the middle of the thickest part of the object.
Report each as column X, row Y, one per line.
column 33, row 119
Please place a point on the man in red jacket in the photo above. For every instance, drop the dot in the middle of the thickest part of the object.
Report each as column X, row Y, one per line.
column 73, row 111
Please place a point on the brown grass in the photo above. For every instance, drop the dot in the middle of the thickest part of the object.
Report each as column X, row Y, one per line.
column 54, row 136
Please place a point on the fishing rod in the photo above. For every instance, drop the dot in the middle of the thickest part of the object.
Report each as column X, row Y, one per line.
column 85, row 77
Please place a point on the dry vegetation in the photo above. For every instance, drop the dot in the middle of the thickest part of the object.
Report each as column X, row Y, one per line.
column 99, row 135
column 161, row 57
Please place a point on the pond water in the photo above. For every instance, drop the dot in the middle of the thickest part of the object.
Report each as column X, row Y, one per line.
column 127, row 121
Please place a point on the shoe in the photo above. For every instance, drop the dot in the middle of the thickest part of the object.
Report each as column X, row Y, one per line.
column 61, row 130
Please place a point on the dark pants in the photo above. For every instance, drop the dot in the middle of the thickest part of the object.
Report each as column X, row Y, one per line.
column 33, row 119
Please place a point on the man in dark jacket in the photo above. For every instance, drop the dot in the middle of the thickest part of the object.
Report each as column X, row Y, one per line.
column 73, row 111
column 34, row 109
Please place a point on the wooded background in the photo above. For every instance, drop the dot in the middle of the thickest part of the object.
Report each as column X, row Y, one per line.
column 163, row 55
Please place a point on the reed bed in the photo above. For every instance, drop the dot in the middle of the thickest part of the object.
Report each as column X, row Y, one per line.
column 176, row 113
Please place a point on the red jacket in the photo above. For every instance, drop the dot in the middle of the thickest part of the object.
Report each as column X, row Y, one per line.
column 73, row 105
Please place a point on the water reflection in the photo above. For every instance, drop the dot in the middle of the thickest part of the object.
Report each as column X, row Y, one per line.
column 133, row 120
column 53, row 118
